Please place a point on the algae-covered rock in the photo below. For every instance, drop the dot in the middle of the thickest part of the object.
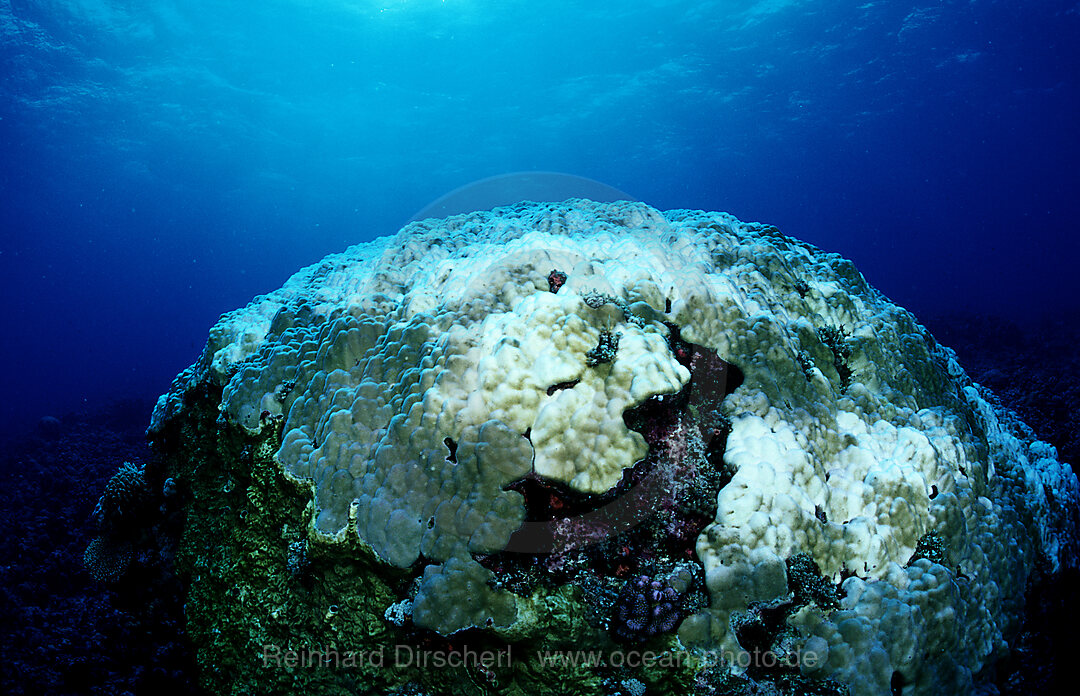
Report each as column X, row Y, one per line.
column 424, row 465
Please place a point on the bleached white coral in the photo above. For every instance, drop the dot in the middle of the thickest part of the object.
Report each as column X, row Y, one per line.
column 416, row 377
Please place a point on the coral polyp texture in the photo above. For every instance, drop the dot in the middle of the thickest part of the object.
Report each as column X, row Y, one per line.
column 408, row 409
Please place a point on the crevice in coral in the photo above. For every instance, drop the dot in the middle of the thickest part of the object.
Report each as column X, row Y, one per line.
column 562, row 385
column 835, row 339
column 555, row 280
column 648, row 523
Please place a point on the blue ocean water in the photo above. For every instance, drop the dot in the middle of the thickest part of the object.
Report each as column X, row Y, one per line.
column 165, row 161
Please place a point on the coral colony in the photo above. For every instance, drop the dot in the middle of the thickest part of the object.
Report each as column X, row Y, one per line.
column 709, row 453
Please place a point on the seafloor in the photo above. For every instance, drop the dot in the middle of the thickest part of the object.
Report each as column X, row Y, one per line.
column 64, row 633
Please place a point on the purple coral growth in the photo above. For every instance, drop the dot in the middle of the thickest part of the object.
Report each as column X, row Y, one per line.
column 647, row 607
column 555, row 280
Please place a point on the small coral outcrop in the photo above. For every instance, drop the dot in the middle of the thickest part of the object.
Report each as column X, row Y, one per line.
column 124, row 497
column 649, row 606
column 117, row 518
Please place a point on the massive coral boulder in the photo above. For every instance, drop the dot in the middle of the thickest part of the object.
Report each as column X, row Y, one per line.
column 503, row 428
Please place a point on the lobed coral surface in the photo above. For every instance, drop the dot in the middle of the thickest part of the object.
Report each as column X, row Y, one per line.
column 419, row 408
